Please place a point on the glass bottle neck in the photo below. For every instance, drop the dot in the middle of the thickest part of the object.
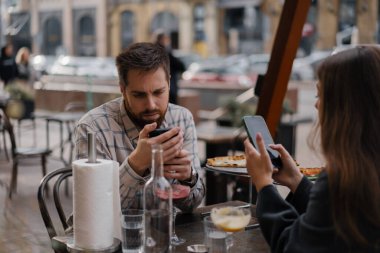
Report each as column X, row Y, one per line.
column 157, row 161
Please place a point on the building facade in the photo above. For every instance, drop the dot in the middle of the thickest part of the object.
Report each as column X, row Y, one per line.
column 208, row 27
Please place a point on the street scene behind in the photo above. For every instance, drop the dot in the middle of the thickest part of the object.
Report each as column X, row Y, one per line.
column 62, row 64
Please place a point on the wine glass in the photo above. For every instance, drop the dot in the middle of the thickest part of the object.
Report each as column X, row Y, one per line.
column 179, row 192
column 231, row 219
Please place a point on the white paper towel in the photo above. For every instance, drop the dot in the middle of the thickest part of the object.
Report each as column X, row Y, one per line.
column 96, row 204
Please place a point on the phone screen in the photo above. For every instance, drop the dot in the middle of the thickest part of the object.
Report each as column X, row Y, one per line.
column 256, row 124
column 158, row 131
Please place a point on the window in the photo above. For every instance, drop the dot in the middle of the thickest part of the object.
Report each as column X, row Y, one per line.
column 127, row 29
column 52, row 35
column 86, row 30
column 199, row 26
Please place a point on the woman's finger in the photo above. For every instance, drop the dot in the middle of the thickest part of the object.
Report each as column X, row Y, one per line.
column 280, row 149
column 249, row 148
column 261, row 144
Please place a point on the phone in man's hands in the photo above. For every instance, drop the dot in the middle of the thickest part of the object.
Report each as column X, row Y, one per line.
column 256, row 124
column 158, row 131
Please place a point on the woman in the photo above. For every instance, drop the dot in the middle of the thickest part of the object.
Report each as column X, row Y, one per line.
column 8, row 66
column 341, row 211
column 26, row 71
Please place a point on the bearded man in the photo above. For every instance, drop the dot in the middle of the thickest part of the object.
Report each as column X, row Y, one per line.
column 122, row 128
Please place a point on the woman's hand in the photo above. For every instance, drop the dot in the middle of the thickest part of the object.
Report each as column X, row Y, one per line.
column 259, row 165
column 288, row 175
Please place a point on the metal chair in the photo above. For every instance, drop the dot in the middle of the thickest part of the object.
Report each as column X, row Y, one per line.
column 21, row 153
column 2, row 131
column 58, row 242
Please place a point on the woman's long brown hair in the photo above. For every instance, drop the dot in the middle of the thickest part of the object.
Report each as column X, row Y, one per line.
column 349, row 126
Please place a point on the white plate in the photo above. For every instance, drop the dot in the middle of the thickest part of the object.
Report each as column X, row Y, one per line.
column 228, row 169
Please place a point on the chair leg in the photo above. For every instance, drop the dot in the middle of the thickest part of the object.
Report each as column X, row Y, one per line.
column 19, row 131
column 34, row 132
column 13, row 185
column 43, row 163
column 5, row 146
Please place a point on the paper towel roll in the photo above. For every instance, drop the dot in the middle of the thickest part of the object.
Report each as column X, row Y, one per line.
column 93, row 201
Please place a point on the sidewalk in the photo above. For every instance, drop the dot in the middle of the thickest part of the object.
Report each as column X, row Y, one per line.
column 21, row 225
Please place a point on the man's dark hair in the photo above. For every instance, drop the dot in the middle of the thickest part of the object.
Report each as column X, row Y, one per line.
column 142, row 56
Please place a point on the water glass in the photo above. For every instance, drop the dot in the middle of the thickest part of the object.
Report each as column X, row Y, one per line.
column 216, row 240
column 132, row 230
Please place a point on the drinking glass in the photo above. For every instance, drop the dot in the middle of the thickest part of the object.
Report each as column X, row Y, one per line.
column 179, row 192
column 132, row 230
column 231, row 219
column 175, row 240
column 216, row 240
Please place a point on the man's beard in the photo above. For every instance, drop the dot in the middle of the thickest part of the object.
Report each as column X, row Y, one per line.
column 138, row 119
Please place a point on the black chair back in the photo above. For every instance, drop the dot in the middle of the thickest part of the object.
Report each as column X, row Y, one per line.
column 60, row 175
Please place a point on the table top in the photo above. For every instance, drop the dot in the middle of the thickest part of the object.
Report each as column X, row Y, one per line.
column 190, row 227
column 65, row 116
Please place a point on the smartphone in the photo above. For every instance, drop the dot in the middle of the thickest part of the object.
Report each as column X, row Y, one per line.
column 158, row 131
column 256, row 124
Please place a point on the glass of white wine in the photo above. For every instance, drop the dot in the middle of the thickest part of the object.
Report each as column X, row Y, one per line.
column 231, row 219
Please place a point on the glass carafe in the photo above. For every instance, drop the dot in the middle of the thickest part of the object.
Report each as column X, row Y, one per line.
column 157, row 204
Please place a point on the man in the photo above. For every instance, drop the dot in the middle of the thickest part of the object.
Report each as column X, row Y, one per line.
column 122, row 127
column 176, row 65
column 8, row 66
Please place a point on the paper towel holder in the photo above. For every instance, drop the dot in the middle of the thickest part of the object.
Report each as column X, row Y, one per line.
column 114, row 248
column 91, row 147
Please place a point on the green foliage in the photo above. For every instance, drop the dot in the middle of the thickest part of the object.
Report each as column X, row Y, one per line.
column 20, row 91
column 237, row 110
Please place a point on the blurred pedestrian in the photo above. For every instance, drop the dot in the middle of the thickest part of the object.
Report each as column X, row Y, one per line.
column 176, row 65
column 8, row 66
column 26, row 72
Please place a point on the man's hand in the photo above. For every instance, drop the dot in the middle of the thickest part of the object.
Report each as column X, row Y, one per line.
column 178, row 167
column 171, row 141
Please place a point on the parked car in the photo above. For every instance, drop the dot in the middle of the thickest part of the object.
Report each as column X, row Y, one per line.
column 301, row 70
column 43, row 63
column 84, row 66
column 187, row 58
column 219, row 72
column 312, row 62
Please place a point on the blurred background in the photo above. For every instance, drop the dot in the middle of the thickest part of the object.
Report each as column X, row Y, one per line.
column 225, row 47
column 199, row 30
column 222, row 43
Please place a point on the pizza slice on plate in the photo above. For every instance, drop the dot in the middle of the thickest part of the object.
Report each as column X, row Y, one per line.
column 235, row 161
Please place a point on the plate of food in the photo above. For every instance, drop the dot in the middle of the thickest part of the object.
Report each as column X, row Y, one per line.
column 231, row 164
column 237, row 164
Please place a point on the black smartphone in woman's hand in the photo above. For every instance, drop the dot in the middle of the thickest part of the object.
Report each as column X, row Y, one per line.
column 256, row 124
